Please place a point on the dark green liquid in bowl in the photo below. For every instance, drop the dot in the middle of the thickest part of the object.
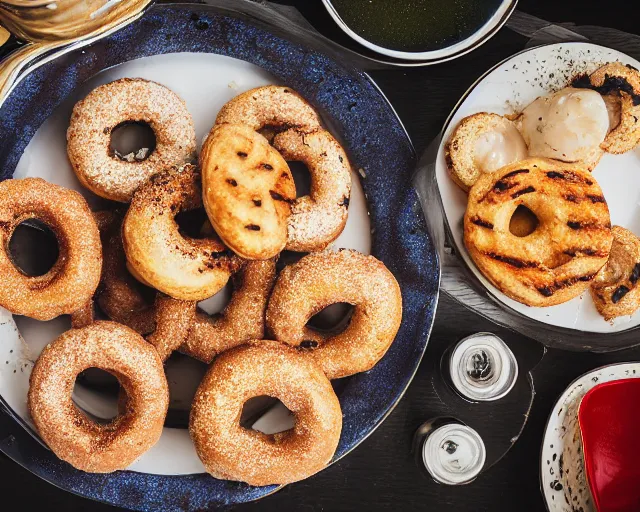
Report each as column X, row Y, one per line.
column 415, row 25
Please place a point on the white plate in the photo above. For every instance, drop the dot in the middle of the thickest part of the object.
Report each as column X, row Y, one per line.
column 508, row 88
column 205, row 82
column 562, row 476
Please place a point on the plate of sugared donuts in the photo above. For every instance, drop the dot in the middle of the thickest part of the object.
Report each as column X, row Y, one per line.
column 217, row 276
column 540, row 185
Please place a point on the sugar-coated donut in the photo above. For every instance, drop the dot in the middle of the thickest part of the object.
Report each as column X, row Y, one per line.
column 195, row 333
column 233, row 452
column 127, row 100
column 571, row 243
column 72, row 435
column 272, row 107
column 615, row 289
column 317, row 219
column 71, row 282
column 180, row 266
column 321, row 279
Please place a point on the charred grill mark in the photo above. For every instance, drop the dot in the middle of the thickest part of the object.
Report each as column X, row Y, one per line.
column 586, row 252
column 257, row 202
column 572, row 198
column 308, row 344
column 610, row 85
column 252, row 227
column 514, row 262
column 515, row 173
column 344, row 202
column 242, row 154
column 523, row 191
column 232, row 182
column 503, row 186
column 568, row 176
column 482, row 223
column 587, row 225
column 279, row 197
column 548, row 291
column 596, row 199
column 620, row 292
column 635, row 274
column 268, row 167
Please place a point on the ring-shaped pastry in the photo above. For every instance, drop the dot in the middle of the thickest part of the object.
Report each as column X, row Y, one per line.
column 126, row 101
column 72, row 435
column 571, row 243
column 233, row 452
column 69, row 285
column 321, row 279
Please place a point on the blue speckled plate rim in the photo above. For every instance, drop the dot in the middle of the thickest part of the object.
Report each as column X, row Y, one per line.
column 375, row 139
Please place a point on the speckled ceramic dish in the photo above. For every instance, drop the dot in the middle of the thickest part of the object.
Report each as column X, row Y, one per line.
column 563, row 478
column 208, row 55
column 506, row 89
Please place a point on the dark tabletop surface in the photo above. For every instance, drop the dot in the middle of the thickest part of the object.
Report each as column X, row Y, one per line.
column 380, row 473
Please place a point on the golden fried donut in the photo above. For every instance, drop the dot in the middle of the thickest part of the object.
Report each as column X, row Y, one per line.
column 571, row 243
column 321, row 279
column 233, row 452
column 119, row 295
column 199, row 335
column 127, row 101
column 70, row 283
column 271, row 106
column 482, row 143
column 72, row 435
column 620, row 86
column 247, row 191
column 182, row 267
column 615, row 289
column 317, row 219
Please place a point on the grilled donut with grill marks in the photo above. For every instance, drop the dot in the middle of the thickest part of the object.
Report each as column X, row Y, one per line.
column 571, row 243
column 615, row 289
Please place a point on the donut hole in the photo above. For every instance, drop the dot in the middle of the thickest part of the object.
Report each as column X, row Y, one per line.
column 523, row 222
column 97, row 393
column 194, row 223
column 301, row 177
column 132, row 141
column 266, row 414
column 333, row 319
column 33, row 248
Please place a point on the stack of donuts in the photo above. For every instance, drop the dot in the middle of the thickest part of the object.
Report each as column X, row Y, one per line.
column 537, row 224
column 137, row 266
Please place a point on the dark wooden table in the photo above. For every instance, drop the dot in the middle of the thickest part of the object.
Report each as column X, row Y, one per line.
column 380, row 473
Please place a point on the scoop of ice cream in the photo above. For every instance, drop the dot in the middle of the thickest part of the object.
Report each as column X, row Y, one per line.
column 498, row 147
column 566, row 125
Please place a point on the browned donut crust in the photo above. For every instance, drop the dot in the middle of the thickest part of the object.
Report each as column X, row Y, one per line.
column 73, row 279
column 247, row 191
column 199, row 335
column 321, row 279
column 119, row 295
column 230, row 451
column 271, row 106
column 567, row 249
column 182, row 267
column 317, row 219
column 70, row 433
column 127, row 101
column 615, row 289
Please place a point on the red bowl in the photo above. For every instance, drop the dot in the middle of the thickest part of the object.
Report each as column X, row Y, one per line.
column 609, row 418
